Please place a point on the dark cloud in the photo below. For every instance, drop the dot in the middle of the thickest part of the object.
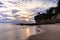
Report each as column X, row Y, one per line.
column 11, row 2
column 35, row 10
column 4, row 15
column 15, row 11
column 1, row 3
column 15, row 16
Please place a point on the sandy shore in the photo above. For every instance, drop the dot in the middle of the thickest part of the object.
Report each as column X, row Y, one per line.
column 52, row 33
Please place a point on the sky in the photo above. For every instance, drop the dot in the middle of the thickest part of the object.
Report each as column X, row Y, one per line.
column 23, row 11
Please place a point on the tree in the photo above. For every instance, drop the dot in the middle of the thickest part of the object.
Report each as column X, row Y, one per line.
column 50, row 12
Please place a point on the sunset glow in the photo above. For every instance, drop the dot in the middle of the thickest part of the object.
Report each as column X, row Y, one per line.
column 23, row 9
column 27, row 32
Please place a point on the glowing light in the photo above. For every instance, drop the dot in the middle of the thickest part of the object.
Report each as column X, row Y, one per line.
column 24, row 14
column 24, row 8
column 27, row 32
column 26, row 19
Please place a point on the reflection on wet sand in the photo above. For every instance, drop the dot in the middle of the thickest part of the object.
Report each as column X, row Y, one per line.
column 52, row 33
column 16, row 32
column 27, row 32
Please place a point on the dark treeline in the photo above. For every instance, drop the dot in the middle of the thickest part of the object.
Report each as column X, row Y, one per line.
column 51, row 13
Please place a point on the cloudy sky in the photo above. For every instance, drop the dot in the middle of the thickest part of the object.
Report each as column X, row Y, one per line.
column 23, row 11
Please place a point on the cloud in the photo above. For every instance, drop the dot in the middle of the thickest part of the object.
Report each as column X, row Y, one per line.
column 11, row 18
column 1, row 3
column 15, row 11
column 12, row 2
column 7, row 13
column 22, row 10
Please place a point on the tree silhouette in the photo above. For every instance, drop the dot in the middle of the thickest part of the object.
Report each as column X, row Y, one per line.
column 58, row 3
column 50, row 12
column 58, row 7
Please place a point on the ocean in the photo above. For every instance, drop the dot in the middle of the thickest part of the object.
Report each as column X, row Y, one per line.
column 23, row 32
column 18, row 32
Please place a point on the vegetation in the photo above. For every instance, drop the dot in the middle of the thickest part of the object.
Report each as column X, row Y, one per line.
column 51, row 15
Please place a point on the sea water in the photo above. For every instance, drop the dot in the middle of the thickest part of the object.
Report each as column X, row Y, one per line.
column 18, row 32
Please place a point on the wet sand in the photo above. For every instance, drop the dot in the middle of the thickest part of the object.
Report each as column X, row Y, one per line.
column 52, row 33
